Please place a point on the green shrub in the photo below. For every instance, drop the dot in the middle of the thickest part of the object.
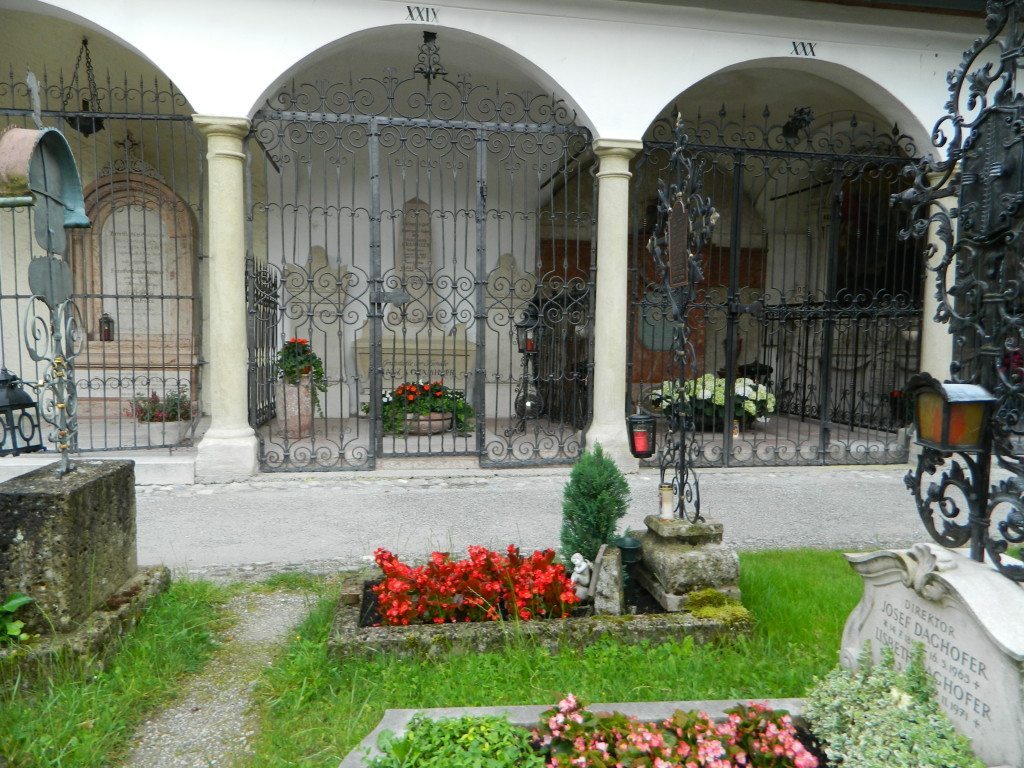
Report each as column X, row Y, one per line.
column 464, row 742
column 878, row 717
column 596, row 496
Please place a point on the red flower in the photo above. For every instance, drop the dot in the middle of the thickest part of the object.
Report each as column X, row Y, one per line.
column 484, row 587
column 412, row 397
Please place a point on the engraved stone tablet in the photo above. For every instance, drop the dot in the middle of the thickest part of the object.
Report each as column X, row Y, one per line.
column 140, row 261
column 970, row 620
column 415, row 237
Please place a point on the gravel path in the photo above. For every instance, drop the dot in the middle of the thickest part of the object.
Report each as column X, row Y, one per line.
column 211, row 725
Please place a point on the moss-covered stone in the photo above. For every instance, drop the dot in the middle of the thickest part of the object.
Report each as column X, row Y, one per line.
column 68, row 542
column 730, row 614
column 703, row 598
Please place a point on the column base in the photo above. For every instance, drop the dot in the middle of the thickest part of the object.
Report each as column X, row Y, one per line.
column 615, row 445
column 227, row 455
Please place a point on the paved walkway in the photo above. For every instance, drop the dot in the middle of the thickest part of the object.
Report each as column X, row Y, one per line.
column 329, row 520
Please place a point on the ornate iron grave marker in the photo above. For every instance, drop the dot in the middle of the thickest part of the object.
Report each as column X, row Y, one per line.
column 979, row 285
column 37, row 169
column 685, row 220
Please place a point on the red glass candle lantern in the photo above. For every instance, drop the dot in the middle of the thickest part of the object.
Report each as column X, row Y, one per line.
column 642, row 432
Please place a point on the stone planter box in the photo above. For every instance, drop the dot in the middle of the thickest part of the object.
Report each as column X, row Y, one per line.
column 347, row 638
column 396, row 720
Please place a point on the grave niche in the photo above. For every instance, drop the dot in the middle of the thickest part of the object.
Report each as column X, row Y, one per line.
column 414, row 347
column 136, row 264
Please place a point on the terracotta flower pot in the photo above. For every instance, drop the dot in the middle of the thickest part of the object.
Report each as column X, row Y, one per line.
column 427, row 423
column 295, row 408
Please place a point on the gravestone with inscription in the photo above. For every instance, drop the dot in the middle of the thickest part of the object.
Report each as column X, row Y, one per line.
column 970, row 620
column 415, row 346
column 415, row 252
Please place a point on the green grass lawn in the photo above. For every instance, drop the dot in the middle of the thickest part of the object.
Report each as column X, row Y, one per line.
column 81, row 720
column 314, row 710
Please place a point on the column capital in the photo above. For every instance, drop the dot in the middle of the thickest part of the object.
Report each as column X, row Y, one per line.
column 232, row 127
column 624, row 148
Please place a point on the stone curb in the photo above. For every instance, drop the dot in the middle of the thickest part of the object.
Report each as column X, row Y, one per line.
column 348, row 639
column 95, row 640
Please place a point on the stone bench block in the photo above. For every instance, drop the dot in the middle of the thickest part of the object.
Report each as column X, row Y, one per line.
column 67, row 542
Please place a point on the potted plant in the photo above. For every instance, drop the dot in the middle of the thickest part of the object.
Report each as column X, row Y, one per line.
column 424, row 409
column 175, row 405
column 301, row 381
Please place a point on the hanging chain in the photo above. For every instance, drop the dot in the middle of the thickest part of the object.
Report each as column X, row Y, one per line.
column 94, row 96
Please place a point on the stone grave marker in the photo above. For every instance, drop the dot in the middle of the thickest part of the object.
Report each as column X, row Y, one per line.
column 970, row 620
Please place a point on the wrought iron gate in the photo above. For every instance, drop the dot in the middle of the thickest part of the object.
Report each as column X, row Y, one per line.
column 404, row 227
column 809, row 302
column 136, row 271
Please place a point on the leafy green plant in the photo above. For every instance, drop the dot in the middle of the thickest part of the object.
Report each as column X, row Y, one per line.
column 296, row 359
column 464, row 742
column 173, row 406
column 10, row 627
column 878, row 717
column 419, row 400
column 595, row 498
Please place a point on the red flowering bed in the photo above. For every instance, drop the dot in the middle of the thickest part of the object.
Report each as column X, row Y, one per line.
column 484, row 587
column 752, row 736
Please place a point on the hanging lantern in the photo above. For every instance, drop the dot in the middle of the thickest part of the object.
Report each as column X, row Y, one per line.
column 642, row 432
column 950, row 417
column 84, row 123
column 528, row 331
column 19, row 418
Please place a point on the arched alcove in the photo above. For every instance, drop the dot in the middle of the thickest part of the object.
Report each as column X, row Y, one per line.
column 140, row 161
column 808, row 288
column 413, row 195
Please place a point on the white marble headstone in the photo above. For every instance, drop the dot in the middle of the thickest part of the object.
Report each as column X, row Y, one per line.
column 970, row 620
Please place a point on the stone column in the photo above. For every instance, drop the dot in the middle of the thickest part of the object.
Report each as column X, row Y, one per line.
column 228, row 450
column 611, row 319
column 936, row 341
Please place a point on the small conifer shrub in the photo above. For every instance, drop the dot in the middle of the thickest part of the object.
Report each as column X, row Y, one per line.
column 595, row 498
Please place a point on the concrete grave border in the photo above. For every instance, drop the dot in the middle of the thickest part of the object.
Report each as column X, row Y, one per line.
column 347, row 638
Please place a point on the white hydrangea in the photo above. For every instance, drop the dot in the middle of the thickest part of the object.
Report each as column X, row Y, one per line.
column 745, row 388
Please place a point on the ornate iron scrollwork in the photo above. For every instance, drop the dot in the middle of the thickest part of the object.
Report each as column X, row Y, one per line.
column 978, row 284
column 685, row 220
